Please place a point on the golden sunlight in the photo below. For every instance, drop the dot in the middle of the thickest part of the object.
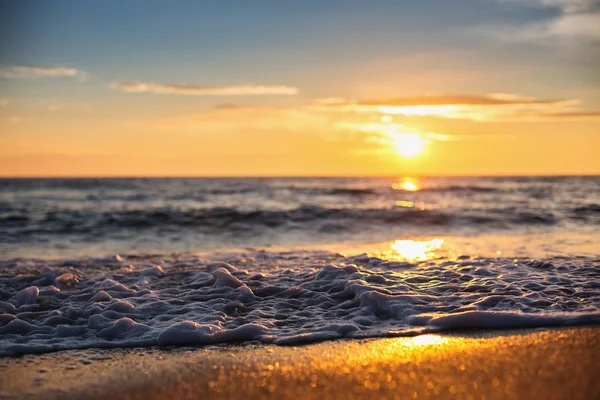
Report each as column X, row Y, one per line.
column 414, row 250
column 410, row 204
column 408, row 185
column 424, row 340
column 445, row 111
column 408, row 144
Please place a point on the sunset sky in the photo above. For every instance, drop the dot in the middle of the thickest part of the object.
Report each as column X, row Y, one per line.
column 433, row 87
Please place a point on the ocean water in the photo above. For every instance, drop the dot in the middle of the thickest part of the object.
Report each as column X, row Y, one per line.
column 54, row 217
column 138, row 262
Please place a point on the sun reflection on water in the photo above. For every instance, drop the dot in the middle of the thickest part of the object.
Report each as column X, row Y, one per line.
column 408, row 184
column 410, row 204
column 415, row 250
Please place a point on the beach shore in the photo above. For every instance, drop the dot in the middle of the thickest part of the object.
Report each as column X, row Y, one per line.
column 532, row 364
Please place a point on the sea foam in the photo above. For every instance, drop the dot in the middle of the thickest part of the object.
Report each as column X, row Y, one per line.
column 281, row 298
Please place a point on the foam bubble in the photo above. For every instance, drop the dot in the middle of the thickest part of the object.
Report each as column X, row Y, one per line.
column 27, row 296
column 281, row 298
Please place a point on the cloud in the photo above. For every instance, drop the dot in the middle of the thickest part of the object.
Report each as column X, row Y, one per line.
column 228, row 106
column 576, row 25
column 492, row 99
column 194, row 90
column 33, row 71
column 476, row 107
column 3, row 102
column 575, row 19
column 560, row 116
column 568, row 6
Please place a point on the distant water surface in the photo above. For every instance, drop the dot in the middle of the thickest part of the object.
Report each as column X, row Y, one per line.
column 53, row 217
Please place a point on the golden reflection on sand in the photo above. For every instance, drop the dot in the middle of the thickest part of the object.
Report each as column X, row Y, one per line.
column 466, row 366
column 424, row 340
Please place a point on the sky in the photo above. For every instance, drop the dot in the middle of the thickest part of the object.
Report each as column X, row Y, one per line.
column 313, row 87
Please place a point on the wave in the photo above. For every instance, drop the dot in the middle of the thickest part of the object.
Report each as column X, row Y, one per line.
column 219, row 220
column 459, row 188
column 587, row 209
column 333, row 191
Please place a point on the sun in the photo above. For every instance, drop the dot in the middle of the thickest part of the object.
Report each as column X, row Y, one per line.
column 408, row 144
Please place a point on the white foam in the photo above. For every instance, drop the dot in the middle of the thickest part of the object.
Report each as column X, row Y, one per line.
column 281, row 298
column 26, row 296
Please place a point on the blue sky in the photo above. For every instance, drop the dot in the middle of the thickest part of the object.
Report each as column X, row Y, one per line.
column 217, row 42
column 138, row 39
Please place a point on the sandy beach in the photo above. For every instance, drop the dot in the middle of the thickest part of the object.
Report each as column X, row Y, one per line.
column 544, row 364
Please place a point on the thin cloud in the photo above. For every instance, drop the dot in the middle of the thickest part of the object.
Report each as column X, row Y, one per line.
column 585, row 25
column 3, row 102
column 576, row 19
column 560, row 116
column 229, row 106
column 194, row 90
column 35, row 71
column 576, row 114
column 492, row 99
column 476, row 107
column 567, row 6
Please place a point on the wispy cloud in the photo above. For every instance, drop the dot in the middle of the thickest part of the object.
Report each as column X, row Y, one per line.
column 492, row 99
column 576, row 19
column 194, row 90
column 36, row 71
column 478, row 107
column 560, row 116
column 3, row 102
column 567, row 6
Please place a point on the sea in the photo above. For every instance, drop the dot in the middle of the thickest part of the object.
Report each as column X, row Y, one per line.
column 109, row 263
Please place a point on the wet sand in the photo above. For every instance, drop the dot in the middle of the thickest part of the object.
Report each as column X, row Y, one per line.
column 539, row 364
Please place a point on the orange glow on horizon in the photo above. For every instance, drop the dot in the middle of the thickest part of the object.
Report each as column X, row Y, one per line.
column 255, row 141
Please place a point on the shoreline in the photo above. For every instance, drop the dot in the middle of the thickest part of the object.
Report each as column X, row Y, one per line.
column 540, row 363
column 539, row 245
